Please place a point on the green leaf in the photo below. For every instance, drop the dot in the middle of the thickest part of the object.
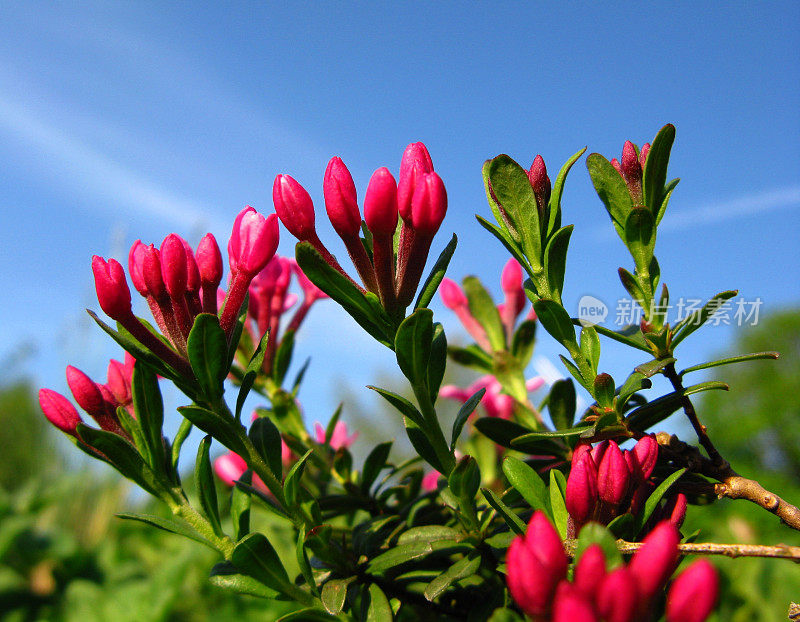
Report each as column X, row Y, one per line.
column 149, row 409
column 238, row 328
column 561, row 404
column 665, row 201
column 501, row 431
column 507, row 241
column 462, row 569
column 375, row 605
column 504, row 219
column 640, row 237
column 654, row 499
column 283, row 357
column 611, row 189
column 240, row 507
column 131, row 426
column 513, row 521
column 629, row 336
column 374, row 464
column 556, row 321
column 406, row 408
column 505, row 615
column 734, row 359
column 555, row 260
column 622, row 526
column 465, row 479
column 183, row 432
column 522, row 342
column 436, row 275
column 399, row 555
column 590, row 346
column 299, row 377
column 659, row 409
column 515, row 195
column 604, row 390
column 227, row 576
column 333, row 594
column 308, row 615
column 471, row 356
column 331, row 427
column 207, row 347
column 413, row 345
column 691, row 323
column 632, row 285
column 302, row 560
column 576, row 373
column 340, row 289
column 291, row 486
column 595, row 533
column 546, row 442
column 222, row 429
column 655, row 170
column 251, row 373
column 635, row 382
column 167, row 524
column 651, row 368
column 255, row 556
column 467, row 408
column 429, row 533
column 267, row 442
column 554, row 204
column 483, row 309
column 437, row 362
column 528, row 483
column 206, row 489
column 558, row 488
column 422, row 445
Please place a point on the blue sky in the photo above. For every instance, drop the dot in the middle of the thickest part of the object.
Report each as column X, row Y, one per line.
column 121, row 121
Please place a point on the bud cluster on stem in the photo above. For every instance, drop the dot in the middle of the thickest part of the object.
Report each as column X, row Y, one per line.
column 631, row 167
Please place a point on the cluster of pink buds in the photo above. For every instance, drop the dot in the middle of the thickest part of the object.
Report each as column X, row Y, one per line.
column 494, row 401
column 418, row 198
column 537, row 579
column 605, row 482
column 455, row 299
column 100, row 401
column 631, row 167
column 178, row 284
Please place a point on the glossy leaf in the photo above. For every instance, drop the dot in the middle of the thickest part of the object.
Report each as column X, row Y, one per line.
column 656, row 496
column 437, row 362
column 283, row 357
column 555, row 260
column 375, row 605
column 523, row 341
column 429, row 533
column 471, row 356
column 561, row 404
column 483, row 309
column 515, row 196
column 467, row 408
column 554, row 204
column 590, row 346
column 462, row 569
column 255, row 556
column 527, row 483
column 333, row 594
column 604, row 390
column 640, row 236
column 629, row 336
column 180, row 436
column 167, row 524
column 694, row 321
column 667, row 194
column 226, row 576
column 655, row 170
column 291, row 485
column 207, row 347
column 659, row 409
column 501, row 431
column 509, row 228
column 651, row 368
column 406, row 408
column 149, row 409
column 733, row 359
column 436, row 275
column 513, row 521
column 206, row 488
column 267, row 441
column 558, row 487
column 611, row 189
column 413, row 345
column 240, row 507
column 302, row 560
column 595, row 533
column 556, row 321
column 222, row 429
column 374, row 464
column 576, row 373
column 131, row 425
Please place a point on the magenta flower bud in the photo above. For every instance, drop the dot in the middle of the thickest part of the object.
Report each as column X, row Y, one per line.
column 340, row 439
column 653, row 564
column 590, row 571
column 85, row 392
column 451, row 293
column 613, row 475
column 542, row 536
column 135, row 267
column 693, row 594
column 675, row 509
column 631, row 169
column 416, row 161
column 253, row 241
column 340, row 199
column 617, row 598
column 570, row 605
column 380, row 204
column 430, row 481
column 581, row 493
column 310, row 291
column 643, row 155
column 229, row 467
column 642, row 458
column 173, row 265
column 615, row 163
column 511, row 278
column 151, row 272
column 598, row 451
column 294, row 207
column 209, row 261
column 540, row 182
column 59, row 411
column 192, row 269
column 118, row 382
column 429, row 204
column 112, row 288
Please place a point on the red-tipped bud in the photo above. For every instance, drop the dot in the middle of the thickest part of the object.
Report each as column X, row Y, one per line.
column 451, row 293
column 112, row 288
column 581, row 493
column 118, row 382
column 613, row 475
column 253, row 242
column 85, row 392
column 693, row 594
column 173, row 265
column 540, row 182
column 151, row 272
column 229, row 467
column 631, row 169
column 590, row 571
column 675, row 509
column 380, row 203
column 511, row 278
column 209, row 261
column 341, row 202
column 617, row 599
column 643, row 155
column 550, row 549
column 616, row 165
column 59, row 411
column 294, row 207
column 192, row 269
column 416, row 161
column 570, row 605
column 135, row 267
column 429, row 204
column 642, row 458
column 653, row 564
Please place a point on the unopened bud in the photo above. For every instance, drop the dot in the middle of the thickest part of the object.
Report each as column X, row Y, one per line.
column 380, row 203
column 135, row 267
column 693, row 594
column 642, row 458
column 253, row 241
column 590, row 571
column 341, row 201
column 581, row 492
column 571, row 605
column 112, row 288
column 416, row 161
column 540, row 182
column 173, row 265
column 429, row 204
column 643, row 155
column 59, row 411
column 451, row 293
column 294, row 207
column 617, row 599
column 613, row 476
column 209, row 261
column 85, row 392
column 653, row 564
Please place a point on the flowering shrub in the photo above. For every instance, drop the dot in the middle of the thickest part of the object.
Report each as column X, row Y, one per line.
column 442, row 536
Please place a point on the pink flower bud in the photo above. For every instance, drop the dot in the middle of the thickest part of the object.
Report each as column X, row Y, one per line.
column 581, row 493
column 341, row 201
column 544, row 538
column 693, row 594
column 590, row 571
column 430, row 481
column 570, row 605
column 173, row 265
column 380, row 203
column 294, row 207
column 85, row 392
column 416, row 161
column 135, row 266
column 631, row 169
column 653, row 564
column 613, row 476
column 452, row 392
column 209, row 261
column 615, row 163
column 253, row 241
column 192, row 269
column 511, row 278
column 643, row 155
column 617, row 598
column 339, row 438
column 675, row 509
column 540, row 182
column 112, row 288
column 151, row 272
column 451, row 293
column 229, row 467
column 59, row 411
column 118, row 382
column 428, row 204
column 642, row 458
column 598, row 451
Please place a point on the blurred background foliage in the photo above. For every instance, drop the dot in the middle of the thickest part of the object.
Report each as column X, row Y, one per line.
column 64, row 556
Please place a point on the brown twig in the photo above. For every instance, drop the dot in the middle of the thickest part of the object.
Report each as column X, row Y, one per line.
column 780, row 551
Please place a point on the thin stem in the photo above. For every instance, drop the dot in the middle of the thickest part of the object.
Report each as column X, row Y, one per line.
column 434, row 431
column 360, row 259
column 780, row 551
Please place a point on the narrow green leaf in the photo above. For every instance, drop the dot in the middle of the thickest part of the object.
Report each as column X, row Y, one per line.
column 331, row 427
column 240, row 507
column 554, row 204
column 590, row 346
column 333, row 594
column 528, row 483
column 421, row 444
column 299, row 377
column 374, row 464
column 640, row 236
column 131, row 426
column 651, row 368
column 437, row 362
column 462, row 569
column 206, row 488
column 149, row 409
column 556, row 321
column 267, row 441
column 406, row 408
column 734, row 359
column 635, row 382
column 561, row 404
column 255, row 556
column 576, row 373
column 228, row 577
column 655, row 170
column 238, row 329
column 501, row 431
column 622, row 526
column 471, row 356
column 522, row 342
column 251, row 373
column 558, row 488
column 467, row 408
column 308, row 615
column 629, row 336
column 632, row 285
column 283, row 357
column 302, row 560
column 654, row 499
column 167, row 524
column 483, row 309
column 429, row 533
column 507, row 241
column 182, row 434
column 611, row 189
column 291, row 486
column 207, row 347
column 436, row 275
column 222, row 429
column 604, row 390
column 665, row 200
column 376, row 604
column 413, row 345
column 691, row 323
column 513, row 521
column 555, row 260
